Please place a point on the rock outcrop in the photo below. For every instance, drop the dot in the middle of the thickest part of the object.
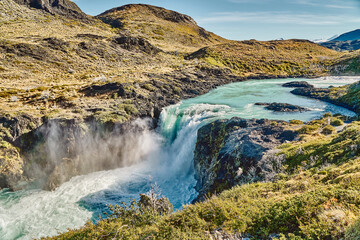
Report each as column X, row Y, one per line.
column 236, row 151
column 282, row 107
column 65, row 8
column 11, row 161
column 140, row 44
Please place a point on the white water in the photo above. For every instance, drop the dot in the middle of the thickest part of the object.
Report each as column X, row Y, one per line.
column 36, row 213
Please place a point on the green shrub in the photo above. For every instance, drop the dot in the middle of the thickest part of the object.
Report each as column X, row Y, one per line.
column 328, row 130
column 337, row 122
column 308, row 129
column 296, row 122
column 328, row 114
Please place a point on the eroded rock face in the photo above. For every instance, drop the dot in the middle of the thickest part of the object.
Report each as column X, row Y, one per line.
column 53, row 152
column 11, row 166
column 61, row 149
column 11, row 161
column 235, row 151
column 64, row 8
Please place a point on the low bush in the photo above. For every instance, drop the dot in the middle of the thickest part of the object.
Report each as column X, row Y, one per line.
column 296, row 122
column 336, row 122
column 308, row 129
column 328, row 130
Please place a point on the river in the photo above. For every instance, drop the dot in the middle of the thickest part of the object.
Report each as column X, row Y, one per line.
column 35, row 213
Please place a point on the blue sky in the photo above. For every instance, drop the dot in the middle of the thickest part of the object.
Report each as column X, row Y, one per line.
column 257, row 19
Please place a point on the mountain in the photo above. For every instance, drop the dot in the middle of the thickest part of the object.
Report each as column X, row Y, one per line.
column 342, row 45
column 349, row 36
column 349, row 41
column 169, row 30
column 325, row 39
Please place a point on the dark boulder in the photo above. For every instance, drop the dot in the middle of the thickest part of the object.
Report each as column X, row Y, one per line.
column 282, row 107
column 298, row 84
column 109, row 88
column 133, row 43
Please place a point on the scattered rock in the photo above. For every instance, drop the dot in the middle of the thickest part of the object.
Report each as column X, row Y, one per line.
column 282, row 107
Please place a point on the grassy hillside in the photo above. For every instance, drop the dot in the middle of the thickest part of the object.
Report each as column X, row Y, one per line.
column 46, row 60
column 169, row 30
column 46, row 57
column 348, row 64
column 276, row 58
column 317, row 199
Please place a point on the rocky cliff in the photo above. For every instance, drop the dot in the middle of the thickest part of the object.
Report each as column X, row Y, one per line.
column 235, row 151
column 46, row 153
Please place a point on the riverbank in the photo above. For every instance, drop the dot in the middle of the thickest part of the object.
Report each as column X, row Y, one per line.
column 314, row 196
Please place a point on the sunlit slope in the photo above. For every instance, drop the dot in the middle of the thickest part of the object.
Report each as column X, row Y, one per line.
column 276, row 58
column 164, row 28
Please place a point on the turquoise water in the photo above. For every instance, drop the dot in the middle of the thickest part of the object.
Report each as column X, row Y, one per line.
column 35, row 213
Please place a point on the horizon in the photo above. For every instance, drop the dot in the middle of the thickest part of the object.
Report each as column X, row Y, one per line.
column 257, row 19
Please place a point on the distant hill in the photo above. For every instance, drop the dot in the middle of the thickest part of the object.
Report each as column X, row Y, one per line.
column 349, row 36
column 276, row 58
column 342, row 45
column 164, row 28
column 349, row 41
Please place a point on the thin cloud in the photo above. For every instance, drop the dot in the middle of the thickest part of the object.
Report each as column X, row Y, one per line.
column 278, row 17
column 248, row 1
column 327, row 3
column 318, row 3
column 338, row 6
